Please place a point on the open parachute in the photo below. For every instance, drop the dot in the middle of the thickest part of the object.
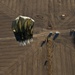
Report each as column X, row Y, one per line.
column 22, row 28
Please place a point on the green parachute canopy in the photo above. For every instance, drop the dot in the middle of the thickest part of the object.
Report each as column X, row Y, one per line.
column 23, row 26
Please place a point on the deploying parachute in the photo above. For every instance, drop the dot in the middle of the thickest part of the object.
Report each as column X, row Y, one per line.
column 22, row 27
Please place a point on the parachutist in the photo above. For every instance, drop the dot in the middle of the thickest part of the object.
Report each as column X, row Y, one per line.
column 43, row 42
column 56, row 35
column 50, row 34
column 45, row 62
column 72, row 32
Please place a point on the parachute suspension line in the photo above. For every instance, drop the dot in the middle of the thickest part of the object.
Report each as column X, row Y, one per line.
column 20, row 26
